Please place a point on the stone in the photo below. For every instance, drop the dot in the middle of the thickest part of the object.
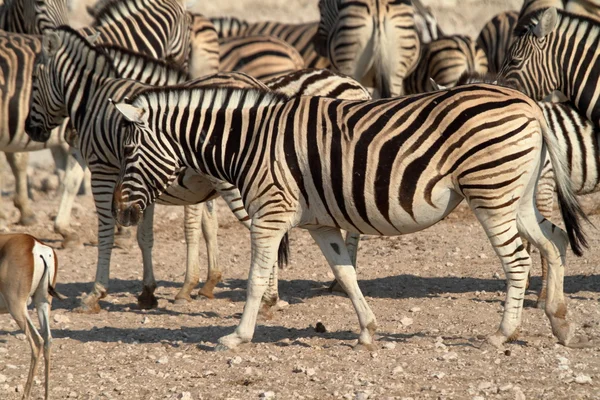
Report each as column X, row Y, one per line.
column 415, row 309
column 185, row 396
column 61, row 319
column 163, row 360
column 267, row 395
column 361, row 396
column 583, row 379
column 406, row 321
column 484, row 386
column 450, row 356
column 235, row 360
column 320, row 328
column 389, row 345
column 482, row 256
column 439, row 375
column 519, row 395
column 2, row 378
column 397, row 370
column 505, row 387
column 310, row 371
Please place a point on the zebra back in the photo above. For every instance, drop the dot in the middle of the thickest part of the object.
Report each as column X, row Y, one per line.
column 445, row 60
column 159, row 28
column 144, row 68
column 358, row 36
column 263, row 57
column 319, row 82
column 204, row 53
column 229, row 26
column 590, row 8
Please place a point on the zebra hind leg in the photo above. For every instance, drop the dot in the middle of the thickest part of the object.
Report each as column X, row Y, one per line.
column 192, row 225
column 352, row 242
column 210, row 226
column 334, row 249
column 145, row 239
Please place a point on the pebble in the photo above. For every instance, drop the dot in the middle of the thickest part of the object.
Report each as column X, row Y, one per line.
column 21, row 336
column 361, row 396
column 406, row 321
column 3, row 350
column 439, row 375
column 449, row 264
column 72, row 395
column 482, row 256
column 450, row 356
column 185, row 396
column 248, row 371
column 61, row 319
column 163, row 360
column 484, row 385
column 320, row 328
column 519, row 395
column 583, row 379
column 235, row 360
column 310, row 371
column 281, row 304
column 478, row 398
column 145, row 320
column 19, row 389
column 415, row 309
column 389, row 345
column 397, row 370
column 267, row 395
column 506, row 387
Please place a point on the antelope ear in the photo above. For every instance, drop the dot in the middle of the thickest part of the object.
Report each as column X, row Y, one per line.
column 547, row 23
column 50, row 44
column 435, row 86
column 131, row 113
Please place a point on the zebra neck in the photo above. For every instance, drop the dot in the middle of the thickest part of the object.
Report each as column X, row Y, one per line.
column 11, row 17
column 79, row 94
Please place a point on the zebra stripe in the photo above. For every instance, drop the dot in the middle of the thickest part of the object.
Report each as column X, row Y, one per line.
column 531, row 7
column 555, row 50
column 589, row 8
column 384, row 167
column 32, row 16
column 426, row 24
column 159, row 28
column 204, row 42
column 495, row 38
column 300, row 36
column 262, row 57
column 445, row 60
column 359, row 35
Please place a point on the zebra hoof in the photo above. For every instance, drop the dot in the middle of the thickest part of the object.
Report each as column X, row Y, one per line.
column 27, row 220
column 183, row 299
column 88, row 306
column 72, row 241
column 206, row 292
column 221, row 347
column 147, row 299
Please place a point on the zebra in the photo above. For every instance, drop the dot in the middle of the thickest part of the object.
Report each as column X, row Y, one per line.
column 426, row 24
column 497, row 34
column 358, row 36
column 300, row 36
column 555, row 50
column 67, row 50
column 579, row 148
column 21, row 17
column 204, row 42
column 263, row 57
column 445, row 60
column 159, row 28
column 384, row 167
column 590, row 8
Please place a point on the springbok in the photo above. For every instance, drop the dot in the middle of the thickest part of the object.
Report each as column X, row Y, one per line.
column 28, row 269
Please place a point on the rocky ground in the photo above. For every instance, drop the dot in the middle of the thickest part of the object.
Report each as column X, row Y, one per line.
column 436, row 295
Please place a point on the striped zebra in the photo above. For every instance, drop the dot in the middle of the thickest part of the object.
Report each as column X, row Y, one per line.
column 384, row 167
column 579, row 148
column 300, row 36
column 204, row 52
column 555, row 50
column 426, row 24
column 365, row 36
column 159, row 28
column 497, row 34
column 21, row 17
column 67, row 50
column 445, row 60
column 262, row 57
column 590, row 8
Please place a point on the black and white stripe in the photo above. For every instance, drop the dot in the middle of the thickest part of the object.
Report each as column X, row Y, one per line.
column 386, row 167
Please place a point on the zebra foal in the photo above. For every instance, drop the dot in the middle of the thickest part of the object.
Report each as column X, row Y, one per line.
column 386, row 167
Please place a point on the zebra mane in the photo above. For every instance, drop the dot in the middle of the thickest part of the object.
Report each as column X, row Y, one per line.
column 101, row 62
column 173, row 68
column 206, row 98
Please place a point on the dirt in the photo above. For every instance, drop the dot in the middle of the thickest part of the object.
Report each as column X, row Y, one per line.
column 436, row 295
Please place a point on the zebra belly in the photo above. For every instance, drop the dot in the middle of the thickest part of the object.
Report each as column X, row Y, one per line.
column 398, row 220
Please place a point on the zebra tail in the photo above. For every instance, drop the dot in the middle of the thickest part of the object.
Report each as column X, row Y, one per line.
column 46, row 278
column 283, row 253
column 569, row 205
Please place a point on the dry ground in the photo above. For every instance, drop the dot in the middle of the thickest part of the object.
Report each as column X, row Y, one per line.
column 436, row 294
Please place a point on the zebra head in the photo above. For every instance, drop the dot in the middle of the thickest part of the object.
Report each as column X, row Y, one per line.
column 40, row 15
column 149, row 165
column 531, row 63
column 45, row 113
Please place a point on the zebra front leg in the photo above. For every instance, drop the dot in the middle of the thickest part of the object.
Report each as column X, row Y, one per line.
column 334, row 249
column 18, row 163
column 264, row 244
column 145, row 239
column 210, row 226
column 192, row 219
column 352, row 242
column 103, row 191
column 74, row 174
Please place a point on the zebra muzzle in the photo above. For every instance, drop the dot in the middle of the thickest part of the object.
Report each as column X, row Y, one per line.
column 124, row 212
column 35, row 132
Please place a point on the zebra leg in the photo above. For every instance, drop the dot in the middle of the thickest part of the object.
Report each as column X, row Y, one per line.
column 545, row 203
column 103, row 191
column 334, row 249
column 74, row 173
column 271, row 295
column 18, row 163
column 192, row 221
column 352, row 242
column 210, row 226
column 265, row 242
column 145, row 239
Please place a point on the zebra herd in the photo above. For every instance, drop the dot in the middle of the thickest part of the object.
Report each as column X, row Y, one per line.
column 272, row 118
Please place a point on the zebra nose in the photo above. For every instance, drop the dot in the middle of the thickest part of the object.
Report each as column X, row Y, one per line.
column 123, row 211
column 35, row 132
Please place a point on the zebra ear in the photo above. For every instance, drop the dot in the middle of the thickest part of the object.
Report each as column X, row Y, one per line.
column 435, row 86
column 131, row 113
column 547, row 23
column 50, row 44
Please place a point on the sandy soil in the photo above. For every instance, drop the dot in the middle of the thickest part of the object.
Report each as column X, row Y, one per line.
column 436, row 295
